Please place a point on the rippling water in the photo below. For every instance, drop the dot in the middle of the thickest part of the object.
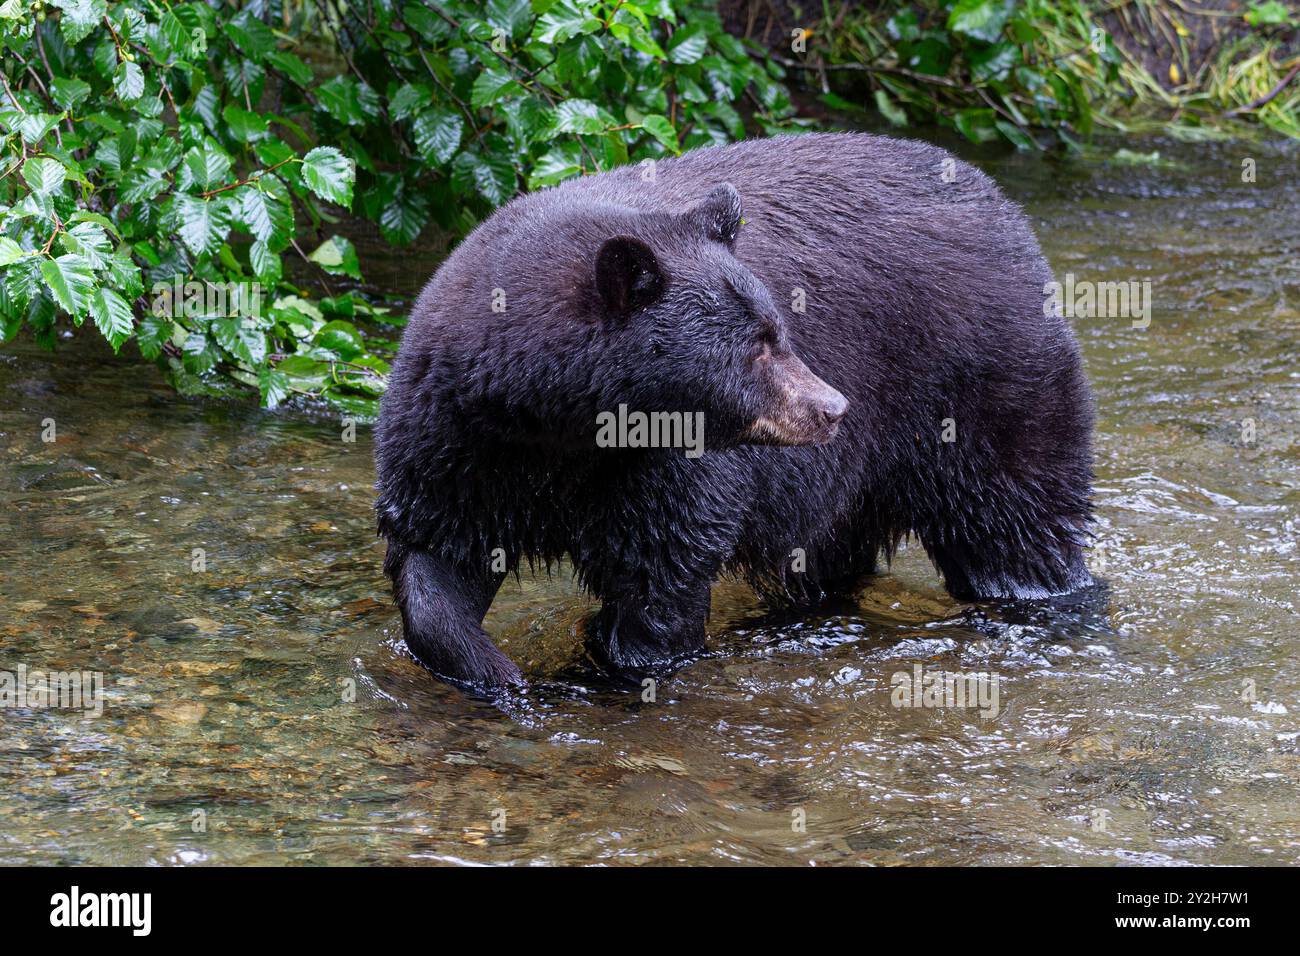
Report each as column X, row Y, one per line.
column 1154, row 721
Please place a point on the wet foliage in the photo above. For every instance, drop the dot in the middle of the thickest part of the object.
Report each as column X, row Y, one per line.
column 161, row 162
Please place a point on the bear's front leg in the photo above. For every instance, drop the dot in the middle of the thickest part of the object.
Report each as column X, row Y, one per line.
column 636, row 634
column 656, row 539
column 442, row 614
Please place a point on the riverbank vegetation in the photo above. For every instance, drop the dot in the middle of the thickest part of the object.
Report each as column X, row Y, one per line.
column 1045, row 73
column 178, row 176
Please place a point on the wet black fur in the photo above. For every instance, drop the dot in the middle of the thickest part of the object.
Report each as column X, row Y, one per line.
column 924, row 301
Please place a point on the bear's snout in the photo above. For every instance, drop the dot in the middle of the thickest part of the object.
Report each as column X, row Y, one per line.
column 834, row 407
column 804, row 410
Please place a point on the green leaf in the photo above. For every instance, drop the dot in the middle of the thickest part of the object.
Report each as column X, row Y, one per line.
column 903, row 26
column 22, row 281
column 404, row 216
column 837, row 102
column 492, row 175
column 206, row 102
column 226, row 331
column 980, row 19
column 994, row 61
column 931, row 56
column 199, row 355
column 890, row 110
column 43, row 175
column 178, row 38
column 273, row 385
column 205, row 167
column 253, row 37
column 245, row 126
column 10, row 251
column 252, row 344
column 273, row 152
column 337, row 256
column 266, row 264
column 561, row 163
column 662, row 130
column 128, row 81
column 528, row 121
column 731, row 120
column 1082, row 118
column 329, row 174
column 305, row 373
column 292, row 67
column 70, row 281
column 1271, row 13
column 581, row 116
column 578, row 59
column 341, row 337
column 976, row 125
column 125, row 274
column 33, row 127
column 349, row 102
column 437, row 135
column 112, row 316
column 269, row 218
column 409, row 99
column 627, row 31
column 565, row 19
column 512, row 16
column 362, row 409
column 688, row 44
column 1015, row 134
column 203, row 224
column 88, row 240
column 492, row 85
column 155, row 331
column 140, row 184
column 79, row 18
column 67, row 91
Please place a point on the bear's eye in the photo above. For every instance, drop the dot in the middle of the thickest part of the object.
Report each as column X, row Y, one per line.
column 765, row 341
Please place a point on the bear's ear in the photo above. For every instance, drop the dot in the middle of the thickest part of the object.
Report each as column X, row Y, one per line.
column 718, row 214
column 628, row 276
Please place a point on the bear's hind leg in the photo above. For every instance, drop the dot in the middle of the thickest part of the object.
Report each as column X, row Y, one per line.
column 1011, row 559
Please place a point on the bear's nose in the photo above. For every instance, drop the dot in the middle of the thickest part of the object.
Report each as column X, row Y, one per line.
column 835, row 409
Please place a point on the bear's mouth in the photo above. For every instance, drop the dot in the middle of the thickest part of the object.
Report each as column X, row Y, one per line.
column 771, row 431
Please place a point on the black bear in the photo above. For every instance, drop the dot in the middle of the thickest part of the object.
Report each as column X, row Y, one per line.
column 868, row 349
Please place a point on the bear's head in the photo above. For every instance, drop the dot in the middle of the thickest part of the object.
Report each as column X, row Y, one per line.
column 693, row 329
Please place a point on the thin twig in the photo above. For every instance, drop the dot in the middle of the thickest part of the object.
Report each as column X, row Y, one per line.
column 12, row 99
column 33, row 74
column 1014, row 122
column 305, row 258
column 464, row 107
column 249, row 181
column 1267, row 97
column 40, row 45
